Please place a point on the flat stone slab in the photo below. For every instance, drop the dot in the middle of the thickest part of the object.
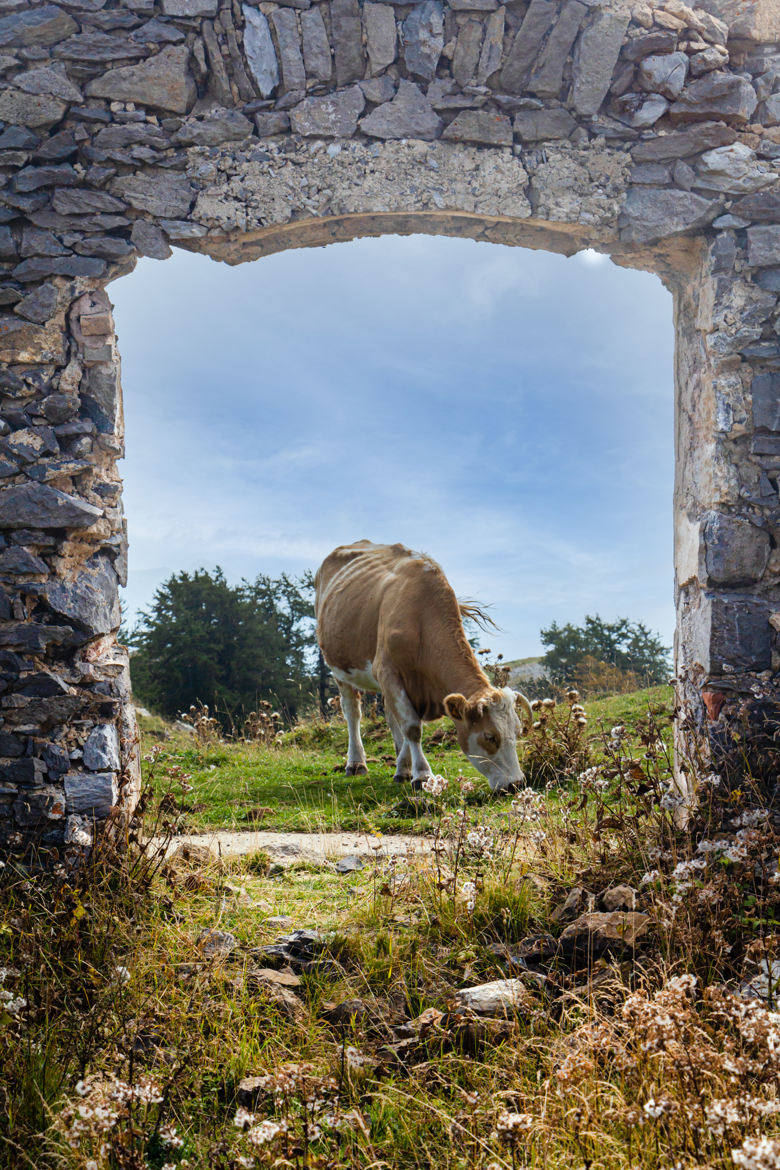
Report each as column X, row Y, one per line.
column 287, row 848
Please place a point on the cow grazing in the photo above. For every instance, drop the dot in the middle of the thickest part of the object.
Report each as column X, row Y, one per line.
column 388, row 620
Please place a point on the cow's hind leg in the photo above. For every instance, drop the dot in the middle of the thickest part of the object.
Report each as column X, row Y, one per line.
column 403, row 754
column 356, row 756
column 402, row 712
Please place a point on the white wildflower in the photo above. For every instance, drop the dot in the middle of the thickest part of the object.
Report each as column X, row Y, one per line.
column 265, row 1132
column 243, row 1118
column 757, row 1153
column 435, row 785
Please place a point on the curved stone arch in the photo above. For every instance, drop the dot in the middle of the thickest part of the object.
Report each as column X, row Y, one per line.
column 648, row 131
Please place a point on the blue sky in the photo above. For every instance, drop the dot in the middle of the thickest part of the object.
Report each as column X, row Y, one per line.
column 509, row 412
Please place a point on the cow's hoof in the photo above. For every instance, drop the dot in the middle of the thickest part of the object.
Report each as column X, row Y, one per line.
column 356, row 770
column 402, row 777
column 417, row 785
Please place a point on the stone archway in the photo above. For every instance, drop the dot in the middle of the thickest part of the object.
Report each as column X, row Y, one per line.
column 649, row 131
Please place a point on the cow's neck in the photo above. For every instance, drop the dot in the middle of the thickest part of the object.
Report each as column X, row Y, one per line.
column 463, row 675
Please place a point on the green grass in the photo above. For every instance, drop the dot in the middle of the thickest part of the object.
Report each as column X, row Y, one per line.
column 301, row 785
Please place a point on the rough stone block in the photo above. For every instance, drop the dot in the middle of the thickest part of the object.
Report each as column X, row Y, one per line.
column 737, row 634
column 260, row 51
column 316, row 46
column 39, row 806
column 765, row 393
column 93, row 794
column 716, row 95
column 163, row 82
column 683, row 143
column 90, row 599
column 36, row 505
column 332, row 116
column 652, row 214
column 101, row 749
column 736, row 552
column 542, row 125
column 528, row 39
column 381, row 35
column 764, row 245
column 347, row 33
column 41, row 27
column 595, row 59
column 408, row 115
column 285, row 24
column 547, row 76
column 160, row 193
column 423, row 38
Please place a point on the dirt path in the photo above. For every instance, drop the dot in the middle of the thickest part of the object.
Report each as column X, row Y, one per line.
column 287, row 848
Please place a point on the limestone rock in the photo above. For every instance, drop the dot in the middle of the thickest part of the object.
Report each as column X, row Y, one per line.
column 42, row 27
column 733, row 169
column 467, row 49
column 214, row 129
column 423, row 38
column 481, row 126
column 48, row 80
column 93, row 794
column 708, row 60
column 740, row 636
column 332, row 116
column 502, row 997
column 492, row 46
column 149, row 240
column 540, row 125
column 593, row 933
column 285, row 24
column 381, row 35
column 648, row 44
column 716, row 95
column 349, row 864
column 189, row 8
column 259, row 49
column 765, row 396
column 316, row 46
column 547, row 76
column 650, row 215
column 35, row 110
column 764, row 245
column 576, row 902
column 597, row 53
column 378, row 89
column 271, row 122
column 216, row 944
column 664, row 74
column 90, row 599
column 526, row 44
column 101, row 749
column 163, row 82
column 36, row 505
column 160, row 193
column 408, row 115
column 618, row 898
column 638, row 111
column 347, row 33
column 683, row 143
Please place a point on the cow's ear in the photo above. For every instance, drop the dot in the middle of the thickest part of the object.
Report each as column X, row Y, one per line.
column 455, row 706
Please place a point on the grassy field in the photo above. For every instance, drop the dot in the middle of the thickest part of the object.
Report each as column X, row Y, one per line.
column 301, row 785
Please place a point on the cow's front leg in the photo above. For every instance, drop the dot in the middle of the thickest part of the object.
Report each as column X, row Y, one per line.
column 409, row 724
column 403, row 760
column 356, row 756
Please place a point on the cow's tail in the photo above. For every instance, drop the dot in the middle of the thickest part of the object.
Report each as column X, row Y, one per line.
column 474, row 612
column 523, row 705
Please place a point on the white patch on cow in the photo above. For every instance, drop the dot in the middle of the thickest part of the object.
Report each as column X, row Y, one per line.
column 501, row 769
column 359, row 677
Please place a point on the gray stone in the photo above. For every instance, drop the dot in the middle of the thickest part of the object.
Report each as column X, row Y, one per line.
column 467, row 49
column 39, row 305
column 683, row 175
column 347, row 33
column 38, row 806
column 163, row 82
column 664, row 74
column 734, row 170
column 216, row 944
column 408, row 115
column 717, row 95
column 525, row 47
column 285, row 24
column 547, row 76
column 32, row 505
column 618, row 898
column 640, row 112
column 654, row 174
column 650, row 215
column 84, row 202
column 272, row 122
column 485, row 127
column 31, row 178
column 577, row 901
column 764, row 245
column 189, row 8
column 36, row 110
column 97, row 47
column 348, row 865
column 473, row 5
column 160, row 193
column 101, row 749
column 21, row 562
column 378, row 89
column 650, row 43
column 765, row 394
column 500, row 998
column 763, row 206
column 40, row 268
column 740, row 636
column 595, row 59
column 53, row 81
column 381, row 35
column 100, row 397
column 58, row 408
column 422, row 34
column 708, row 60
column 769, row 279
column 149, row 240
column 492, row 47
column 93, row 794
column 214, row 129
column 155, row 32
column 18, row 136
column 260, row 51
column 736, row 551
column 683, row 143
column 332, row 116
column 770, row 110
column 316, row 46
column 43, row 27
column 90, row 599
column 542, row 125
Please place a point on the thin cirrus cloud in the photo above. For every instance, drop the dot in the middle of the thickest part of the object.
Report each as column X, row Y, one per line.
column 507, row 411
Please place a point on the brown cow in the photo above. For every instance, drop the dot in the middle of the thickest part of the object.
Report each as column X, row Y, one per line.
column 388, row 620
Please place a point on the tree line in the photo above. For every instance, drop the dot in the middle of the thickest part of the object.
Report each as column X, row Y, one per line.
column 203, row 640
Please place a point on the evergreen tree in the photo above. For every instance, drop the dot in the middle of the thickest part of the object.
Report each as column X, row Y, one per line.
column 628, row 646
column 203, row 640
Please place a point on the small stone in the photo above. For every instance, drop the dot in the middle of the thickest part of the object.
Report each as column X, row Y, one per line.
column 216, row 944
column 157, row 192
column 332, row 116
column 163, row 82
column 525, row 46
column 577, row 900
column 650, row 215
column 40, row 506
column 500, row 998
column 189, row 8
column 378, row 89
column 618, row 898
column 285, row 24
column 32, row 178
column 39, row 305
column 347, row 33
column 547, row 76
column 101, row 749
column 271, row 122
column 37, row 110
column 763, row 245
column 717, row 95
column 214, row 129
column 765, row 395
column 492, row 47
column 408, row 115
column 423, row 38
column 664, row 74
column 90, row 599
column 53, row 81
column 42, row 26
column 733, row 169
column 683, row 143
column 708, row 60
column 481, row 126
column 467, row 49
column 259, row 49
column 640, row 112
column 381, row 35
column 648, row 44
column 269, row 977
column 349, row 864
column 93, row 794
column 149, row 240
column 593, row 933
column 543, row 125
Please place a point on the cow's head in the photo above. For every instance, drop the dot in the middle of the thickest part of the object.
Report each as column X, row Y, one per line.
column 487, row 727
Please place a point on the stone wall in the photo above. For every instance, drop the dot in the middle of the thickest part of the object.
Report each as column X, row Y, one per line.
column 651, row 131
